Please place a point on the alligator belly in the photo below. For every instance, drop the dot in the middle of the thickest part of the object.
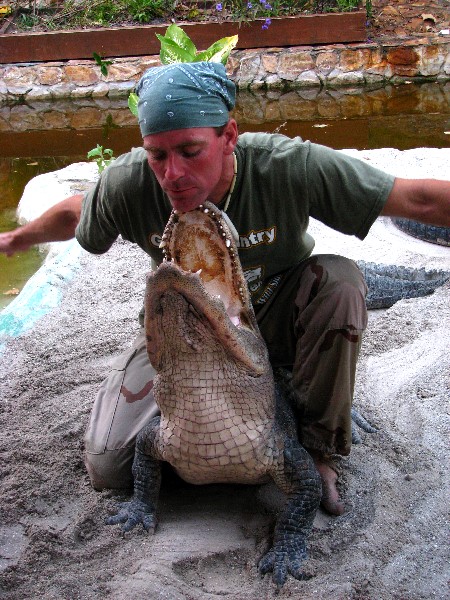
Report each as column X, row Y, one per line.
column 200, row 460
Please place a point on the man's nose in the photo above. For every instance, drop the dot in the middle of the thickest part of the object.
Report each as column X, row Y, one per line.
column 174, row 168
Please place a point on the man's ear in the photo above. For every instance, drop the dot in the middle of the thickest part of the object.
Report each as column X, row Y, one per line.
column 231, row 135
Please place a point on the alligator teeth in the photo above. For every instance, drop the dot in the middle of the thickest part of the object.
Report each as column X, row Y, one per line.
column 231, row 226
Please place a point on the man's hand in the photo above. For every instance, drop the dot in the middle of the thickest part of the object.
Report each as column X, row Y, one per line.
column 56, row 224
column 10, row 243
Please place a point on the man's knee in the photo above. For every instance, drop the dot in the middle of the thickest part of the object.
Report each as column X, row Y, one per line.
column 110, row 469
column 343, row 272
column 338, row 292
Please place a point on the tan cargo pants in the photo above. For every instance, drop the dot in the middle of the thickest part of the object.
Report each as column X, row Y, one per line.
column 312, row 325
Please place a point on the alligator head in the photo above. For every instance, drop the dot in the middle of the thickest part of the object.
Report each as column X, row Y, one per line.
column 198, row 296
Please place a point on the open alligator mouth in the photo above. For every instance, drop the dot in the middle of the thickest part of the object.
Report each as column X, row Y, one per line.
column 202, row 241
column 201, row 270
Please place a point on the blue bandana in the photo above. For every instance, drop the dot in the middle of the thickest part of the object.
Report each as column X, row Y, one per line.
column 184, row 95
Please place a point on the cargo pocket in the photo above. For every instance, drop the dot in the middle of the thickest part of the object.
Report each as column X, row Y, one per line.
column 105, row 405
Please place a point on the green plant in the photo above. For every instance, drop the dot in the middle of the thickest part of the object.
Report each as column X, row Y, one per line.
column 249, row 10
column 102, row 156
column 103, row 64
column 68, row 14
column 177, row 46
column 347, row 4
column 28, row 21
column 144, row 11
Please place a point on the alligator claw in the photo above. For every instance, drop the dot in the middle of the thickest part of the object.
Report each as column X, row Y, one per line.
column 288, row 559
column 360, row 421
column 130, row 514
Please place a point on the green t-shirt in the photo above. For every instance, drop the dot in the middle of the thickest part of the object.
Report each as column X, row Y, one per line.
column 281, row 182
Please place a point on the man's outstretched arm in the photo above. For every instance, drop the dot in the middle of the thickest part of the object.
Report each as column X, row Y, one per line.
column 423, row 200
column 56, row 224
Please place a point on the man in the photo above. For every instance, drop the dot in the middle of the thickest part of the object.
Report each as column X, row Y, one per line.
column 310, row 309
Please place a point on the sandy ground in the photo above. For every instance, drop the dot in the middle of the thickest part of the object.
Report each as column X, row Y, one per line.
column 392, row 541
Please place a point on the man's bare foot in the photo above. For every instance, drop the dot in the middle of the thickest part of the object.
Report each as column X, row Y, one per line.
column 331, row 501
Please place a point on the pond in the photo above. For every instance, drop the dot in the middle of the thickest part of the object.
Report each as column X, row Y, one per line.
column 46, row 136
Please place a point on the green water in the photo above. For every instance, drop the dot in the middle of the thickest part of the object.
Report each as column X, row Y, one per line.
column 14, row 175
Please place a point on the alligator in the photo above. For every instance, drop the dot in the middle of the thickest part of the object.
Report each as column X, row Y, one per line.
column 224, row 418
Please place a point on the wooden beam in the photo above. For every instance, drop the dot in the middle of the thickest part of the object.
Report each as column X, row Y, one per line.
column 330, row 28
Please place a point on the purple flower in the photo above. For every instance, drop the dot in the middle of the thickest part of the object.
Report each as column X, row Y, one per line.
column 266, row 24
column 219, row 6
column 267, row 7
column 249, row 5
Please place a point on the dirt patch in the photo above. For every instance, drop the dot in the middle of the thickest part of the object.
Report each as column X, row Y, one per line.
column 394, row 19
column 390, row 544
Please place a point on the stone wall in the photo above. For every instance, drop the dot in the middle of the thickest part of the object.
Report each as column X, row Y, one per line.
column 283, row 68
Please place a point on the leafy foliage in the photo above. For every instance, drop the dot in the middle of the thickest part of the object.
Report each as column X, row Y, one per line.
column 102, row 156
column 177, row 46
column 103, row 64
column 68, row 14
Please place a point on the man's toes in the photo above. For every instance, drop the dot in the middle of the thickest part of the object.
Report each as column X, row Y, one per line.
column 332, row 506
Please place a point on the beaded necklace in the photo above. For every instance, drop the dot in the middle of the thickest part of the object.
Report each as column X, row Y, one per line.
column 230, row 224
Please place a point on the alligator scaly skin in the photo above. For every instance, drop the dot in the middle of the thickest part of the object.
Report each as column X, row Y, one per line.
column 222, row 417
column 387, row 284
column 428, row 233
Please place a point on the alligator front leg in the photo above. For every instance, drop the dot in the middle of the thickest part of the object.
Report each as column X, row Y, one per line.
column 147, row 482
column 297, row 476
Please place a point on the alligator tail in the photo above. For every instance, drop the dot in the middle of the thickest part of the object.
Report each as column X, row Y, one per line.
column 387, row 284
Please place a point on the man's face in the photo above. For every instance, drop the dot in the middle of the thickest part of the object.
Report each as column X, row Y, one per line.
column 191, row 165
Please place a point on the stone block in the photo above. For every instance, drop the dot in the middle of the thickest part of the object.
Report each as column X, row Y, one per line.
column 120, row 89
column 403, row 56
column 269, row 63
column 275, row 82
column 49, row 75
column 100, row 90
column 308, row 79
column 62, row 90
column 39, row 92
column 19, row 76
column 248, row 69
column 81, row 75
column 18, row 90
column 292, row 64
column 327, row 61
column 446, row 65
column 338, row 78
column 353, row 60
column 432, row 60
column 124, row 72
